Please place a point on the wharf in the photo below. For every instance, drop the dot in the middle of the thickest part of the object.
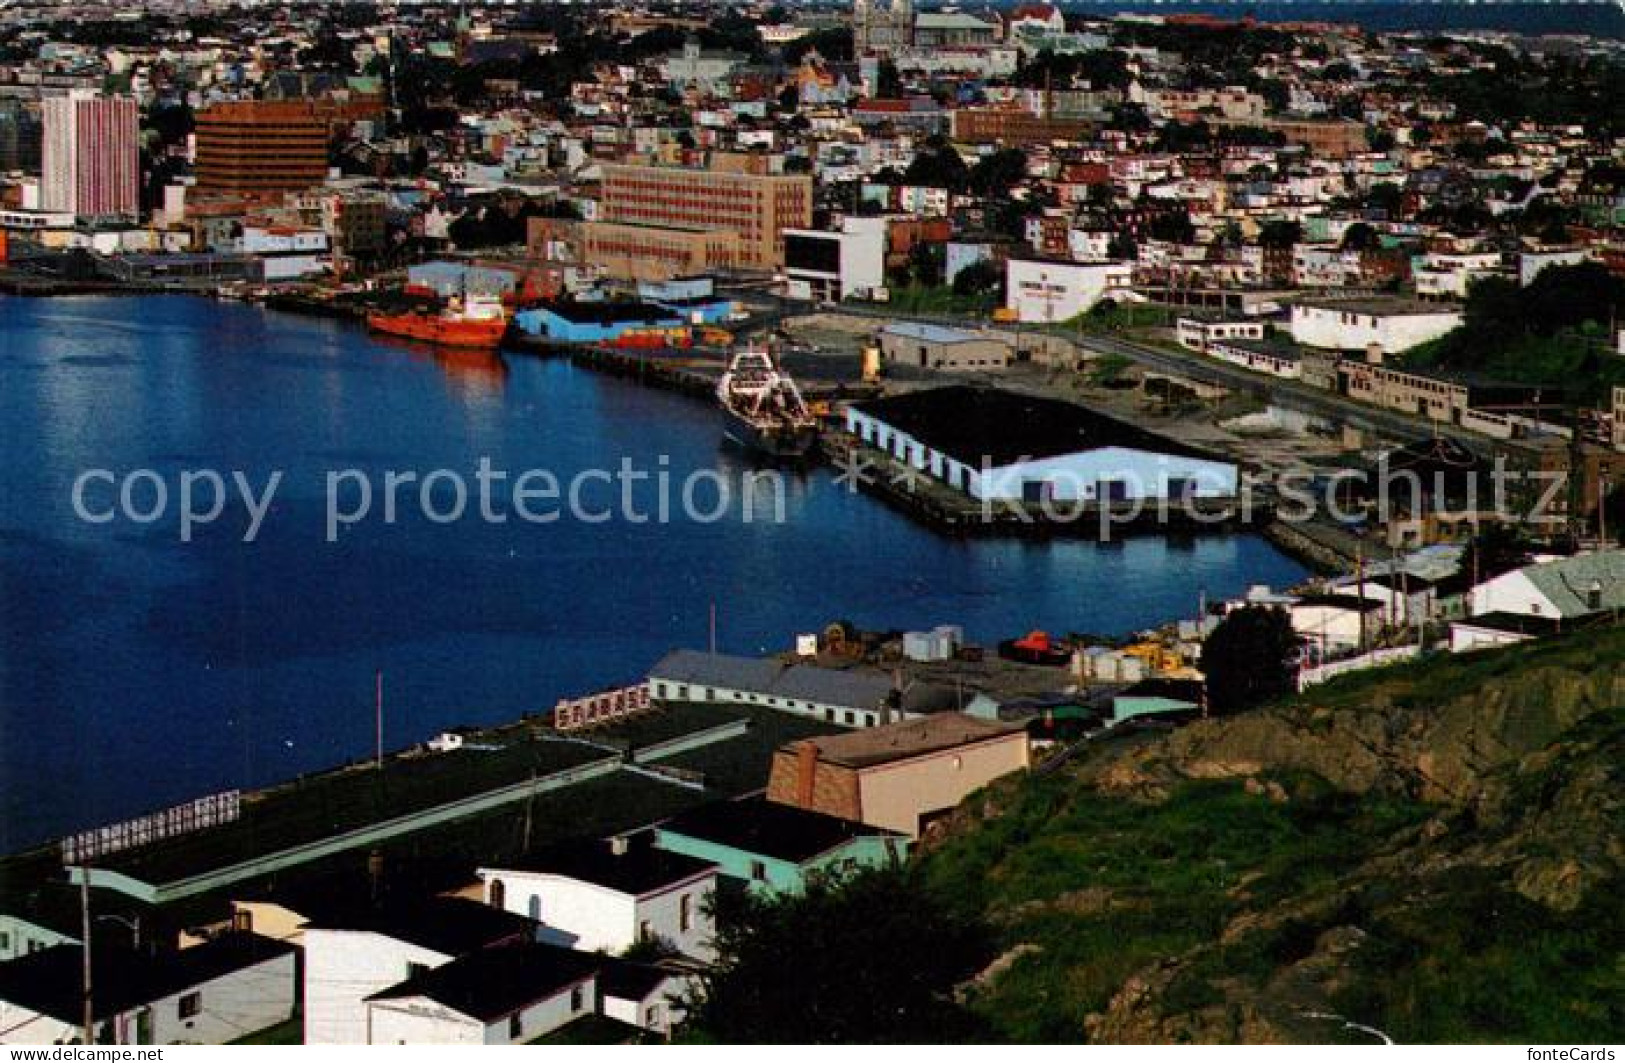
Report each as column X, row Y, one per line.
column 693, row 371
column 15, row 282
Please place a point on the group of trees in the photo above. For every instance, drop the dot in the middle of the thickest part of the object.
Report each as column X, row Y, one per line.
column 1500, row 315
column 872, row 958
column 938, row 164
column 1249, row 658
column 1589, row 91
column 1105, row 69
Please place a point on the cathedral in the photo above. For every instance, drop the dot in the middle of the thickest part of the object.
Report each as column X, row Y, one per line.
column 882, row 27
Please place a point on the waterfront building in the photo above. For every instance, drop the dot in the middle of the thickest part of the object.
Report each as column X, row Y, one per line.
column 90, row 161
column 845, row 697
column 900, row 776
column 261, row 147
column 1260, row 356
column 952, row 350
column 604, row 322
column 999, row 445
column 756, row 207
column 775, row 848
column 609, row 895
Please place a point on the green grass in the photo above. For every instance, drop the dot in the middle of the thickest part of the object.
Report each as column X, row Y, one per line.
column 1105, row 886
column 940, row 299
column 1126, row 317
column 1173, row 874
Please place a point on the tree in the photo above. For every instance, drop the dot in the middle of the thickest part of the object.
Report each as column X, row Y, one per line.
column 996, row 174
column 1360, row 237
column 980, row 278
column 927, row 262
column 1280, row 233
column 938, row 165
column 1249, row 658
column 1172, row 226
column 888, row 83
column 870, row 959
column 1387, row 197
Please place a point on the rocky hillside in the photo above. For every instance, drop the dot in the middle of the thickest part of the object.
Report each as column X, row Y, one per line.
column 1434, row 853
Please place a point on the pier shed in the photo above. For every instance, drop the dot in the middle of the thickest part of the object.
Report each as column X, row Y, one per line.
column 997, row 445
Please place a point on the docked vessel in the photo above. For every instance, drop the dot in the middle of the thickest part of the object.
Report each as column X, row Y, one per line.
column 471, row 321
column 762, row 408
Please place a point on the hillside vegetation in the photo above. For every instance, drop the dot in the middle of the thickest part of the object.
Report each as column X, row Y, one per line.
column 1431, row 853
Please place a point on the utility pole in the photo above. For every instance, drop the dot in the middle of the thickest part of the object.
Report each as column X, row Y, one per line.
column 84, row 933
column 713, row 629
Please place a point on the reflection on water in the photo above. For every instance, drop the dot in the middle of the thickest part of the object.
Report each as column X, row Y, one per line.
column 218, row 663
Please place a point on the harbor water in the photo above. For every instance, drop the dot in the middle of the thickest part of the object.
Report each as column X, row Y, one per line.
column 138, row 669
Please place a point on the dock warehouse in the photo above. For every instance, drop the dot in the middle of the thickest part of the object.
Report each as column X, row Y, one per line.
column 998, row 445
column 596, row 322
column 844, row 697
column 936, row 347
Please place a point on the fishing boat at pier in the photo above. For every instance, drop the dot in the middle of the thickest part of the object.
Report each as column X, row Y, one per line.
column 763, row 409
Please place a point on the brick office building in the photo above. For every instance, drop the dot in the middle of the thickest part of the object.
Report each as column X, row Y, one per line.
column 756, row 207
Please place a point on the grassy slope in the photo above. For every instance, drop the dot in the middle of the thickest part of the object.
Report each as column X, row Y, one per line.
column 1225, row 892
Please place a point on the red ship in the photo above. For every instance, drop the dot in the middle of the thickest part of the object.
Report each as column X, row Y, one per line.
column 476, row 321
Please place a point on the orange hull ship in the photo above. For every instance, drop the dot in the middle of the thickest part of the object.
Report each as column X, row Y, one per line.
column 480, row 323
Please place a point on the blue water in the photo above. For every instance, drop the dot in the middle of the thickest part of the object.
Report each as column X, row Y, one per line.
column 137, row 670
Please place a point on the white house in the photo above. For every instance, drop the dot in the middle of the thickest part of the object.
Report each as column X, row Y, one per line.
column 1000, row 445
column 1046, row 290
column 1571, row 587
column 641, row 994
column 350, row 955
column 1388, row 326
column 1404, row 598
column 1196, row 333
column 504, row 995
column 606, row 896
column 223, row 989
column 1492, row 630
column 1335, row 623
